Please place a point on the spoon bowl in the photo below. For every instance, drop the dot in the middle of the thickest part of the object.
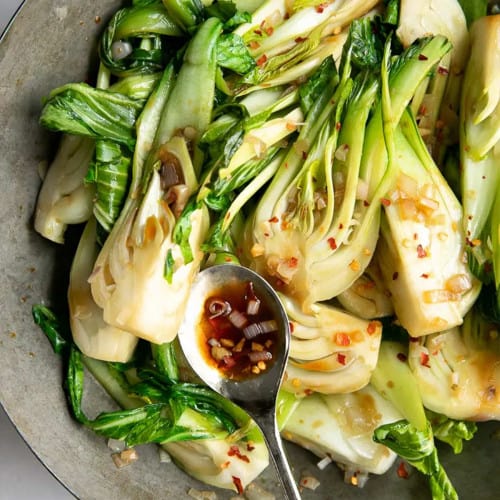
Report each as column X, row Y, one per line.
column 256, row 394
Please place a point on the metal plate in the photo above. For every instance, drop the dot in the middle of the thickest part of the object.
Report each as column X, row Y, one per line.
column 49, row 44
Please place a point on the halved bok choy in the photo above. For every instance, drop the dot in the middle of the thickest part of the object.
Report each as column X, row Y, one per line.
column 320, row 215
column 142, row 276
column 93, row 336
column 480, row 152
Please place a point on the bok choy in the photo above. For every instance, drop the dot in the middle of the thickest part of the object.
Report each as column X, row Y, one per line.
column 154, row 249
column 309, row 141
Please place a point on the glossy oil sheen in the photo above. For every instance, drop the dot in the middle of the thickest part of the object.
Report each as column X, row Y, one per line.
column 52, row 42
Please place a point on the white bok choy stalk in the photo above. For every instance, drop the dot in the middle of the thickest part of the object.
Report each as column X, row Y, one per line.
column 480, row 151
column 320, row 215
column 437, row 101
column 216, row 461
column 93, row 336
column 341, row 426
column 331, row 351
column 458, row 370
column 422, row 248
column 90, row 170
column 64, row 198
column 143, row 274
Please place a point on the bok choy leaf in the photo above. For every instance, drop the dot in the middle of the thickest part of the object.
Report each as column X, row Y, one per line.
column 78, row 108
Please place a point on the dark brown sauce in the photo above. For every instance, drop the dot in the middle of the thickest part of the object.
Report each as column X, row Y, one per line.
column 225, row 345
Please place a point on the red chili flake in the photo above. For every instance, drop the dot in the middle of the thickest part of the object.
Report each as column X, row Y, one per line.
column 424, row 359
column 257, row 32
column 402, row 357
column 261, row 60
column 333, row 244
column 269, row 31
column 421, row 253
column 386, row 202
column 442, row 71
column 292, row 326
column 415, row 236
column 338, row 126
column 267, row 235
column 341, row 226
column 320, row 8
column 395, row 275
column 422, row 110
column 274, row 219
column 372, row 327
column 308, row 392
column 341, row 358
column 342, row 339
column 250, row 447
column 421, row 57
column 220, row 325
column 300, row 39
column 402, row 471
column 304, row 155
column 234, row 451
column 365, row 203
column 228, row 361
column 293, row 262
column 254, row 44
column 237, row 483
column 424, row 275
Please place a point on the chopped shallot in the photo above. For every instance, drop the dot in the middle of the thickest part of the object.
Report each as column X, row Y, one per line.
column 355, row 477
column 253, row 330
column 125, row 457
column 218, row 307
column 309, row 482
column 324, row 462
column 120, row 50
column 238, row 319
column 256, row 356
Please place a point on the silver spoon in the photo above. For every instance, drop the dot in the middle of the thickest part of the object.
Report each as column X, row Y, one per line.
column 256, row 395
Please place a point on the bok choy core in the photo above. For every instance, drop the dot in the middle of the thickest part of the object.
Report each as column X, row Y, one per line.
column 316, row 143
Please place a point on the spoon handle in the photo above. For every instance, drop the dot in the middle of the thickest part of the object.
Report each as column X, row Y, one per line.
column 268, row 425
